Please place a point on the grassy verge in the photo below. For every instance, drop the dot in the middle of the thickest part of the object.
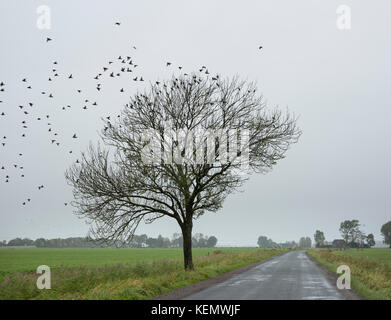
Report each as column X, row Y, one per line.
column 144, row 280
column 370, row 278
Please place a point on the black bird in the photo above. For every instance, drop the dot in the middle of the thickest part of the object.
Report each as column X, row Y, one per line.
column 260, row 47
column 70, row 76
column 74, row 136
column 48, row 39
column 118, row 23
column 24, row 80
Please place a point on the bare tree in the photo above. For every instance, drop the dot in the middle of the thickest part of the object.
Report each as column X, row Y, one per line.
column 177, row 150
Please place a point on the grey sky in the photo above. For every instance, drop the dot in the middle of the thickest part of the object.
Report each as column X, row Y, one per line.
column 337, row 81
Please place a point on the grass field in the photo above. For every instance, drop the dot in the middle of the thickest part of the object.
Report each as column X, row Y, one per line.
column 114, row 273
column 382, row 255
column 25, row 260
column 370, row 269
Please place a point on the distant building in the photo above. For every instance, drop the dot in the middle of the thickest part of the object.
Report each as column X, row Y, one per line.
column 339, row 243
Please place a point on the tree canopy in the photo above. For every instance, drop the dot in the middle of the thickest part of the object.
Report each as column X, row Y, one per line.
column 177, row 150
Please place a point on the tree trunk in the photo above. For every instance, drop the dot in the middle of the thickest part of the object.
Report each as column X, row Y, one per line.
column 187, row 249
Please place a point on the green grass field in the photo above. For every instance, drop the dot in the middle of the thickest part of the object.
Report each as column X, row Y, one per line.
column 26, row 260
column 370, row 269
column 114, row 273
column 382, row 255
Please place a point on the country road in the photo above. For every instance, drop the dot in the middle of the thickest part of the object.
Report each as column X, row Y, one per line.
column 291, row 276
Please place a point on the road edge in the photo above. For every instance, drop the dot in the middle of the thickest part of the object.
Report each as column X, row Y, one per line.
column 186, row 291
column 332, row 277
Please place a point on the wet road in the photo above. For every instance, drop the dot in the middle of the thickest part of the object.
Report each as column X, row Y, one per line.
column 291, row 276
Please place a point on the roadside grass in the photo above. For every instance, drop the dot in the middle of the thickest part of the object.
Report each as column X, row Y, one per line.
column 130, row 281
column 382, row 255
column 369, row 276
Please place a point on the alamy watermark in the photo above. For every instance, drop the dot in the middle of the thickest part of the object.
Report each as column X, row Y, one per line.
column 44, row 280
column 344, row 17
column 209, row 146
column 44, row 19
column 343, row 281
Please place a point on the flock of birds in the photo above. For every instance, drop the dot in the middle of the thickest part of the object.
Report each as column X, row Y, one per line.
column 126, row 66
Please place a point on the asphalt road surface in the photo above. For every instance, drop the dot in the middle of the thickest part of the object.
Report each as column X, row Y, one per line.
column 291, row 276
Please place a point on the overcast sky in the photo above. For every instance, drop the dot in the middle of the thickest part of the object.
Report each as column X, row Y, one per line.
column 337, row 81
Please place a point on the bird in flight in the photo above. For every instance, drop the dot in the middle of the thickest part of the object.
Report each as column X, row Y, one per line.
column 118, row 23
column 48, row 39
column 260, row 47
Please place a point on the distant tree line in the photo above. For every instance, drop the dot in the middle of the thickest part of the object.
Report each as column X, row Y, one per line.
column 139, row 241
column 352, row 236
column 265, row 242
